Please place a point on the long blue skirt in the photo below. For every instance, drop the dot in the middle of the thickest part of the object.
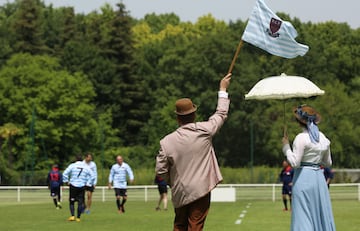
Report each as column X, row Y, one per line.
column 311, row 204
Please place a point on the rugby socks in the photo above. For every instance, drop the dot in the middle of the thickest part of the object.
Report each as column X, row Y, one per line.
column 72, row 208
column 118, row 203
column 55, row 202
column 80, row 209
column 285, row 204
column 123, row 202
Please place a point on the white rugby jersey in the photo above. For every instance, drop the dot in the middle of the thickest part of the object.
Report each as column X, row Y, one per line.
column 118, row 175
column 92, row 166
column 78, row 174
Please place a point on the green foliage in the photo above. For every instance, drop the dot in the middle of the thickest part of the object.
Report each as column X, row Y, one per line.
column 27, row 29
column 158, row 23
column 107, row 83
column 34, row 90
column 249, row 175
column 340, row 122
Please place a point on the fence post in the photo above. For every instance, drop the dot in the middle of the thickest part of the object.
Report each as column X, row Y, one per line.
column 273, row 192
column 18, row 194
column 61, row 193
column 103, row 194
column 146, row 191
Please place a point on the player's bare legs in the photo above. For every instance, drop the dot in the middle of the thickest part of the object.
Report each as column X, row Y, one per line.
column 163, row 198
column 89, row 201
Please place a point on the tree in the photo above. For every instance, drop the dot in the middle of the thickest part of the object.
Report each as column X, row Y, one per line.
column 7, row 131
column 158, row 23
column 126, row 96
column 63, row 119
column 6, row 13
column 132, row 71
column 59, row 27
column 27, row 28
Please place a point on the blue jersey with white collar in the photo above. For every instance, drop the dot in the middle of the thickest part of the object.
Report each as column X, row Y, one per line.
column 118, row 175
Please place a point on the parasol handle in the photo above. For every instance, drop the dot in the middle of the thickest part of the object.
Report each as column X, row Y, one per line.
column 235, row 56
column 285, row 127
column 285, row 131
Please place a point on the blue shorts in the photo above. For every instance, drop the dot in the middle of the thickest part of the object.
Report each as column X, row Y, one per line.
column 286, row 189
column 77, row 194
column 120, row 192
column 54, row 191
column 162, row 189
column 89, row 188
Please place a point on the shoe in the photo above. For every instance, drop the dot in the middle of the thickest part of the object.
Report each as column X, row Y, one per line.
column 122, row 209
column 57, row 208
column 72, row 218
column 285, row 209
column 157, row 209
column 59, row 205
column 87, row 211
column 77, row 219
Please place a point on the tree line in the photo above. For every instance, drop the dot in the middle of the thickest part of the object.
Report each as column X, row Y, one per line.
column 106, row 83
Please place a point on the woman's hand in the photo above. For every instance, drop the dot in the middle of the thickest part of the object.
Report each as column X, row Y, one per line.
column 285, row 140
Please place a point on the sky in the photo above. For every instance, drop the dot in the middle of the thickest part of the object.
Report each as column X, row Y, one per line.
column 190, row 10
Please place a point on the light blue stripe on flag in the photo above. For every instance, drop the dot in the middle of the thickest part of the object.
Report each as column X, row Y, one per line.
column 268, row 32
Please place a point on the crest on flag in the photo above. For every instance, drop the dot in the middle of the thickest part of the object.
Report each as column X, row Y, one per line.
column 275, row 25
column 270, row 33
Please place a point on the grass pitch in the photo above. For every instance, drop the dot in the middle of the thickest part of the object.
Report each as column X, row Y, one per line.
column 141, row 216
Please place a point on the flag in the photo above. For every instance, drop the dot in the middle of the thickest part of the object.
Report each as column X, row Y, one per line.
column 268, row 32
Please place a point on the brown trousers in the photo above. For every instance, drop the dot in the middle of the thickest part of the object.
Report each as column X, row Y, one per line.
column 192, row 217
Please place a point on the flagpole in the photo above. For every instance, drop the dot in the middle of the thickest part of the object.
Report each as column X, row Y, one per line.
column 285, row 127
column 235, row 56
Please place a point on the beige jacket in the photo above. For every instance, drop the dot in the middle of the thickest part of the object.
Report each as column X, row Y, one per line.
column 187, row 158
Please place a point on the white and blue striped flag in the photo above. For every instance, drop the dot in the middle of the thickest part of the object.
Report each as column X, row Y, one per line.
column 268, row 32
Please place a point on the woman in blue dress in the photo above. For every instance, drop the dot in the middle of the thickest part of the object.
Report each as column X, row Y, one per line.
column 311, row 204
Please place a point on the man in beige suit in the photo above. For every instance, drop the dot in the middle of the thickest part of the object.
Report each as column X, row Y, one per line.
column 187, row 161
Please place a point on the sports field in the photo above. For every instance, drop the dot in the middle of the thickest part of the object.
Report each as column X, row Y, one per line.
column 241, row 215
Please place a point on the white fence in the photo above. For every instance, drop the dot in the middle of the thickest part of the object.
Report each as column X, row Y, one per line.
column 10, row 194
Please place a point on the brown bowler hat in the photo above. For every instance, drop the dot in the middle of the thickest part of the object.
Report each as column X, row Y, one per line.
column 305, row 113
column 184, row 106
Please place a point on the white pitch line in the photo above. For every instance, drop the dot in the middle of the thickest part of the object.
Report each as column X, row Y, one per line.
column 242, row 215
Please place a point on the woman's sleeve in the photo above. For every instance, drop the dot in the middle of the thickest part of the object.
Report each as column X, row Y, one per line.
column 326, row 158
column 294, row 156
